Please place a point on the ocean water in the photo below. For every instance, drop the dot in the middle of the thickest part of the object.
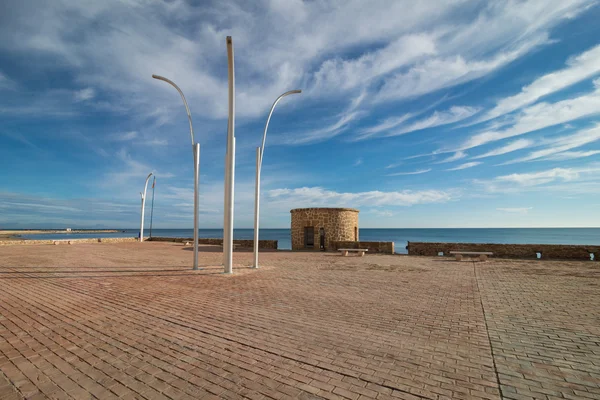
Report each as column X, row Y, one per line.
column 400, row 237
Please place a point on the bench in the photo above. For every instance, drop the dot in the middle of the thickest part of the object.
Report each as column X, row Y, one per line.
column 361, row 252
column 483, row 255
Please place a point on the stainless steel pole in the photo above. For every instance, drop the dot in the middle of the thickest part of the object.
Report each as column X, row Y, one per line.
column 230, row 174
column 196, row 202
column 259, row 157
column 152, row 208
column 143, row 206
column 257, row 206
column 196, row 154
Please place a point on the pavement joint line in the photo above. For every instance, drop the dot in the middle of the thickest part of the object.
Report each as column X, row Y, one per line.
column 251, row 346
column 487, row 331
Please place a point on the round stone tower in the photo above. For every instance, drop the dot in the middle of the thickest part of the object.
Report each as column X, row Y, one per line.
column 319, row 228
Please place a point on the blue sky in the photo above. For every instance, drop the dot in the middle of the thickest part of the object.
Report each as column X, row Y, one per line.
column 420, row 114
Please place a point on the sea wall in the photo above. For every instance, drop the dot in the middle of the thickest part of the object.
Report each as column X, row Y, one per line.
column 374, row 247
column 243, row 243
column 547, row 251
column 65, row 241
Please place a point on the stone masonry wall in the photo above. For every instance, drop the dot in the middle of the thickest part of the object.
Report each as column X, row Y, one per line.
column 243, row 243
column 548, row 251
column 65, row 241
column 339, row 225
column 374, row 247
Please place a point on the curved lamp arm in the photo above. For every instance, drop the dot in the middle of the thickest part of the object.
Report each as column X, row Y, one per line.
column 170, row 82
column 262, row 147
column 146, row 186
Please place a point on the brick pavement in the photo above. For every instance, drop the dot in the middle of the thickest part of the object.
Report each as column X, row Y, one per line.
column 131, row 321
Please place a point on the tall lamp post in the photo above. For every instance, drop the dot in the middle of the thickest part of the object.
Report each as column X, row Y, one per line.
column 229, row 166
column 143, row 205
column 196, row 153
column 259, row 157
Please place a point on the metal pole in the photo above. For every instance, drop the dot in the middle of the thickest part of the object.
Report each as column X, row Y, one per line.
column 152, row 208
column 259, row 157
column 143, row 204
column 230, row 172
column 196, row 189
column 196, row 154
column 256, row 206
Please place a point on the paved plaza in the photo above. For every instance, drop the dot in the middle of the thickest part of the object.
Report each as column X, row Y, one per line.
column 133, row 321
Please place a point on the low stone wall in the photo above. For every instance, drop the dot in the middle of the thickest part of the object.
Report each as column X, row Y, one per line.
column 547, row 251
column 243, row 243
column 374, row 247
column 65, row 241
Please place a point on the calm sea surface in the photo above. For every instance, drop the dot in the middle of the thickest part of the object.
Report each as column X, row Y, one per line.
column 399, row 236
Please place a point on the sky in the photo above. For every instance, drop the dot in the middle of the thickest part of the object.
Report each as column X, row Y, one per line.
column 421, row 114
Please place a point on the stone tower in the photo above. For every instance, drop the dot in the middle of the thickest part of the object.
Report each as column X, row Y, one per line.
column 319, row 228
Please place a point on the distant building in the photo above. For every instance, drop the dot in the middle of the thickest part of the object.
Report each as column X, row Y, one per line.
column 319, row 228
column 68, row 229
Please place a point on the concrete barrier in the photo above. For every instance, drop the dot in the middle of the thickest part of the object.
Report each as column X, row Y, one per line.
column 241, row 243
column 524, row 251
column 373, row 247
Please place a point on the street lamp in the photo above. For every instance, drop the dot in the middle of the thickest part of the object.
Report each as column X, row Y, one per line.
column 196, row 153
column 229, row 166
column 143, row 205
column 259, row 157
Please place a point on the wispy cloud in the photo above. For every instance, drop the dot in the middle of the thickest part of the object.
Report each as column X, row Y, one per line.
column 314, row 196
column 438, row 118
column 541, row 116
column 420, row 171
column 84, row 94
column 456, row 156
column 318, row 135
column 570, row 155
column 124, row 136
column 358, row 162
column 515, row 210
column 6, row 83
column 508, row 148
column 465, row 166
column 562, row 144
column 579, row 68
column 582, row 179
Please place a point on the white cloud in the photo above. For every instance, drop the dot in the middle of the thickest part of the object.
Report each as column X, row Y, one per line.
column 515, row 210
column 456, row 156
column 317, row 196
column 6, row 83
column 540, row 178
column 394, row 165
column 129, row 172
column 321, row 134
column 337, row 74
column 438, row 118
column 384, row 125
column 579, row 68
column 508, row 148
column 562, row 144
column 570, row 155
column 358, row 162
column 84, row 94
column 402, row 47
column 465, row 166
column 542, row 115
column 418, row 172
column 124, row 136
column 582, row 179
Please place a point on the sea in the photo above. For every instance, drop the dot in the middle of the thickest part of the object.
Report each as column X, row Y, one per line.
column 400, row 236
